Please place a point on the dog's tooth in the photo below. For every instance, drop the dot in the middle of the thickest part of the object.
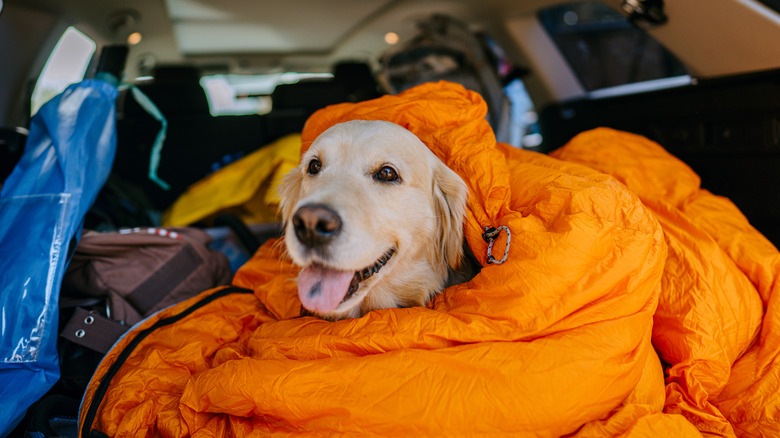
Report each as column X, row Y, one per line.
column 353, row 285
column 367, row 272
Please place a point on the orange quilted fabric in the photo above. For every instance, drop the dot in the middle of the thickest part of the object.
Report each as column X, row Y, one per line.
column 616, row 257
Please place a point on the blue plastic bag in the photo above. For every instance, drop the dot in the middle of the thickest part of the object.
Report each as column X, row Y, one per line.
column 67, row 159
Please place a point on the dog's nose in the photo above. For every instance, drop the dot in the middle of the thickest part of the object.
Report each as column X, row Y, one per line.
column 315, row 224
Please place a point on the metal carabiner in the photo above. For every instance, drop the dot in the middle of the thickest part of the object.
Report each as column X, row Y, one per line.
column 490, row 235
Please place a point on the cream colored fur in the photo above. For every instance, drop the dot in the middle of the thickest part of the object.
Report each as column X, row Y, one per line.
column 420, row 215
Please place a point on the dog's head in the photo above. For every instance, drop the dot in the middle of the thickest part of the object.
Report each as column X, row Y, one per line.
column 373, row 218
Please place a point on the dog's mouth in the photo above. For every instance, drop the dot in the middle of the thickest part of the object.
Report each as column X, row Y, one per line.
column 322, row 289
column 366, row 273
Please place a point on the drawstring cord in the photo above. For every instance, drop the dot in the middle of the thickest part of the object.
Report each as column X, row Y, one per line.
column 154, row 156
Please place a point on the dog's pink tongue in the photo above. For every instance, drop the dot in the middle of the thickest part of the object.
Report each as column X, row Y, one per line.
column 321, row 290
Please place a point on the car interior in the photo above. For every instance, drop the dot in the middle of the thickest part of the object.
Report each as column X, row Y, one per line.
column 219, row 81
column 699, row 79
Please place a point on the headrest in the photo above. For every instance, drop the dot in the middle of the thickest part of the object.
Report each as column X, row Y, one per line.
column 176, row 73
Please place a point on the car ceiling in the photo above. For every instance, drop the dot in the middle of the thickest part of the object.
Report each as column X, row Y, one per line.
column 241, row 36
column 267, row 27
column 303, row 34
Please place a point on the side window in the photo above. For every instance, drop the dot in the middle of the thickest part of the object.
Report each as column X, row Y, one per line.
column 66, row 65
column 604, row 49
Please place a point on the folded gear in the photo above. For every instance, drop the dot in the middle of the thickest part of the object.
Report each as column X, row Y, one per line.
column 245, row 188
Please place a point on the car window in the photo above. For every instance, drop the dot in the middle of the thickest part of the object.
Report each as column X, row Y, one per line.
column 233, row 94
column 774, row 4
column 66, row 65
column 604, row 49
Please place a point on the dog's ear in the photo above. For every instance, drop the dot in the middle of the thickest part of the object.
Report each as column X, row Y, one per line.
column 289, row 190
column 449, row 194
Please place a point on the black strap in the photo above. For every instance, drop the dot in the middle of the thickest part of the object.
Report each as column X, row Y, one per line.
column 105, row 381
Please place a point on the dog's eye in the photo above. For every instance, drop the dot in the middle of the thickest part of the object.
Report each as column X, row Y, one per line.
column 314, row 166
column 386, row 174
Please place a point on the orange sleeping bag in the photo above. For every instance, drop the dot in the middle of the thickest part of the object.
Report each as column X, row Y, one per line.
column 616, row 257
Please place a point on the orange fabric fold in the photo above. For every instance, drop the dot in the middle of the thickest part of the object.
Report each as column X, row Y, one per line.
column 617, row 257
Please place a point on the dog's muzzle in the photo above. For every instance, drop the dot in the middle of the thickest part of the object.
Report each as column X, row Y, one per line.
column 323, row 288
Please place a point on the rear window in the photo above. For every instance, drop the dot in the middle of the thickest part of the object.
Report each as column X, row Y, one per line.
column 67, row 64
column 232, row 94
column 604, row 49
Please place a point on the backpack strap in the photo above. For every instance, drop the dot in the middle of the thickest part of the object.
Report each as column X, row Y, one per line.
column 93, row 330
column 165, row 279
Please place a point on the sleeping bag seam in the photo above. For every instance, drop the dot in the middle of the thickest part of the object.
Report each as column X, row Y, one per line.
column 107, row 377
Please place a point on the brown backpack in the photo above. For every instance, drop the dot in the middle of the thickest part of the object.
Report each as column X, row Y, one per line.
column 115, row 279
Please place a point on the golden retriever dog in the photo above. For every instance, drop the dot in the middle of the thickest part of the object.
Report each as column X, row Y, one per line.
column 373, row 218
